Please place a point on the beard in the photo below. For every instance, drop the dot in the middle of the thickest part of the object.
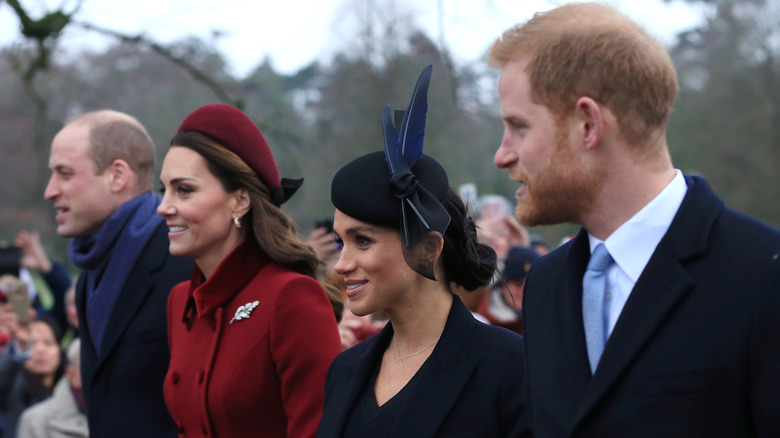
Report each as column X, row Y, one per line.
column 563, row 191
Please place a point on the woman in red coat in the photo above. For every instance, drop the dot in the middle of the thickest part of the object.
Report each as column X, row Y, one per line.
column 253, row 333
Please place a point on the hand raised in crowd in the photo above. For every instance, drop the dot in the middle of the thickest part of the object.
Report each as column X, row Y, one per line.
column 33, row 255
column 9, row 323
column 324, row 243
column 502, row 233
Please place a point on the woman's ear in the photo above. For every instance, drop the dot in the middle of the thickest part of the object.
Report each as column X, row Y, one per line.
column 242, row 203
column 432, row 247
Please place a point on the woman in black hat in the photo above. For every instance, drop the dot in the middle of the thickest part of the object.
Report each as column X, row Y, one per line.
column 407, row 242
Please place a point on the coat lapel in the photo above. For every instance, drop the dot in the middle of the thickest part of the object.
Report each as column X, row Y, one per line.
column 133, row 295
column 358, row 373
column 663, row 283
column 444, row 376
column 569, row 328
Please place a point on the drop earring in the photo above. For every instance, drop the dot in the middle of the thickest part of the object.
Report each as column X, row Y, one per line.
column 236, row 222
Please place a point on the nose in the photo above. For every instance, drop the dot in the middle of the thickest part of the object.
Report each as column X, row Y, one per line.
column 345, row 264
column 52, row 191
column 505, row 154
column 37, row 347
column 165, row 208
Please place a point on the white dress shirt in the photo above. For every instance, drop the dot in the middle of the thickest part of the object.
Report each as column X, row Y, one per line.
column 634, row 242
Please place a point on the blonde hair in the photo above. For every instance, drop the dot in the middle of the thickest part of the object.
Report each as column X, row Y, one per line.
column 589, row 49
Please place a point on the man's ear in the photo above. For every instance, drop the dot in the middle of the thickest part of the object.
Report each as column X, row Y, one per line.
column 120, row 175
column 589, row 121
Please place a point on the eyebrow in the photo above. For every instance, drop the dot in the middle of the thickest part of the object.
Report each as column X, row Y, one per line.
column 179, row 180
column 61, row 167
column 516, row 120
column 359, row 229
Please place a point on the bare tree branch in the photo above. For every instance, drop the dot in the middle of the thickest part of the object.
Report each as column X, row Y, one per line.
column 166, row 53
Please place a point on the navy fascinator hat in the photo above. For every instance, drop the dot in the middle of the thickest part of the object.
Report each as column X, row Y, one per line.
column 399, row 187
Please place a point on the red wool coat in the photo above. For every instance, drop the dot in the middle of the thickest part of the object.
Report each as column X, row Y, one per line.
column 261, row 375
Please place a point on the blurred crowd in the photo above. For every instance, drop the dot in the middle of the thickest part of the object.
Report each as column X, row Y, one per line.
column 39, row 369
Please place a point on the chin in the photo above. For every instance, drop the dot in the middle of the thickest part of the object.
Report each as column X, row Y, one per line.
column 359, row 310
column 178, row 252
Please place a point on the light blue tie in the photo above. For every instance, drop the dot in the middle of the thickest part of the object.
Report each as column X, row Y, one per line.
column 594, row 284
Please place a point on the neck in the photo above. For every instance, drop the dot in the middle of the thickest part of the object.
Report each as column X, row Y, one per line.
column 208, row 263
column 630, row 183
column 420, row 321
column 48, row 380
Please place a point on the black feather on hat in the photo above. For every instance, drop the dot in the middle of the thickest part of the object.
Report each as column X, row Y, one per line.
column 400, row 188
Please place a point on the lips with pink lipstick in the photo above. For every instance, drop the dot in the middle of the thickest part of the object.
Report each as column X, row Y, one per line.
column 354, row 287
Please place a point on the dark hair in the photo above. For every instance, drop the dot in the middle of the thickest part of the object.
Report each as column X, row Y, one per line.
column 465, row 261
column 34, row 389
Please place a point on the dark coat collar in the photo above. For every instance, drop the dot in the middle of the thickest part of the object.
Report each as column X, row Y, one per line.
column 442, row 379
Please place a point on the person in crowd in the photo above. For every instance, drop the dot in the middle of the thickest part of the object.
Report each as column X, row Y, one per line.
column 61, row 415
column 102, row 166
column 253, row 333
column 29, row 368
column 354, row 329
column 662, row 316
column 498, row 228
column 323, row 242
column 71, row 331
column 539, row 243
column 503, row 303
column 54, row 274
column 433, row 371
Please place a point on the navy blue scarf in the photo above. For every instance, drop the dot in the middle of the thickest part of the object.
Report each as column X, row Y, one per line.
column 108, row 257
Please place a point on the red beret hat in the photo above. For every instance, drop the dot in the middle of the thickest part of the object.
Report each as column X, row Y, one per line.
column 235, row 131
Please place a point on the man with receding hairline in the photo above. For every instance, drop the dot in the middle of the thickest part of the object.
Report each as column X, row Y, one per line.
column 661, row 318
column 102, row 166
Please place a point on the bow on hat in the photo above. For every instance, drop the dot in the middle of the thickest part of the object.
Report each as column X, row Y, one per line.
column 421, row 212
column 239, row 134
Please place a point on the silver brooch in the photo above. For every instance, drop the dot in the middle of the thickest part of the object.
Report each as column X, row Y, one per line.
column 244, row 311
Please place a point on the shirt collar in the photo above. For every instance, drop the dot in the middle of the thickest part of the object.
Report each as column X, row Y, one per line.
column 634, row 242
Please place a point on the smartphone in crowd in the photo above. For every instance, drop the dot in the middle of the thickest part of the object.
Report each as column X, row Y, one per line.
column 19, row 298
column 10, row 260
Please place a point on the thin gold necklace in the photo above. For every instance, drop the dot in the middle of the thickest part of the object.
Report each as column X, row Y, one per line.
column 401, row 359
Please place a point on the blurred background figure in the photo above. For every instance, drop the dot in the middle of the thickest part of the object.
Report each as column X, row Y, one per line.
column 323, row 242
column 498, row 227
column 71, row 330
column 29, row 367
column 354, row 329
column 63, row 414
column 35, row 260
column 503, row 303
column 539, row 243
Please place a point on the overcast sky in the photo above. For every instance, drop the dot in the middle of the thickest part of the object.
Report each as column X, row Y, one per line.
column 295, row 32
